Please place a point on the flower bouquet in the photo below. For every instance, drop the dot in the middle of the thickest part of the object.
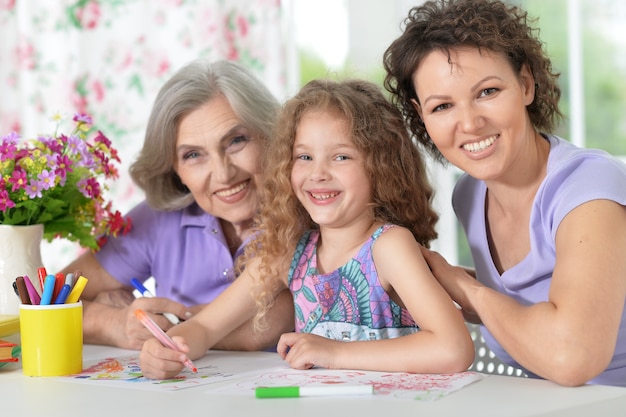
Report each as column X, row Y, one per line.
column 58, row 180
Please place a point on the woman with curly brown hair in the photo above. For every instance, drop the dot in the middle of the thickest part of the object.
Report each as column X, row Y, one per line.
column 336, row 230
column 545, row 220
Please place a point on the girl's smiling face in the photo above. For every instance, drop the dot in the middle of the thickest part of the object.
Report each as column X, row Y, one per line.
column 219, row 161
column 474, row 108
column 328, row 174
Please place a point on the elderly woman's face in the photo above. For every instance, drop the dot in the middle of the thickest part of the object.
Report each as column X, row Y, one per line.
column 219, row 161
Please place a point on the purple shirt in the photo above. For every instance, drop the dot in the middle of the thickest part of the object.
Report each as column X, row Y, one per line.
column 184, row 250
column 574, row 176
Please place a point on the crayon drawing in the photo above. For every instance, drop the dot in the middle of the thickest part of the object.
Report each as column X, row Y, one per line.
column 424, row 387
column 239, row 373
column 125, row 371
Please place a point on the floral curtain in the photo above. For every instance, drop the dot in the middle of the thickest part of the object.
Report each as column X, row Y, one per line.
column 108, row 58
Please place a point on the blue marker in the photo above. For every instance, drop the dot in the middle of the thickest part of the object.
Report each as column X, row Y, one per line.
column 145, row 293
column 48, row 289
column 65, row 291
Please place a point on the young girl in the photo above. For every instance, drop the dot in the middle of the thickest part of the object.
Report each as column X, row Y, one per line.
column 346, row 205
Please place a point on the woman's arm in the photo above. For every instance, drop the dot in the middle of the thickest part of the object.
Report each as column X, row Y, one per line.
column 569, row 339
column 442, row 345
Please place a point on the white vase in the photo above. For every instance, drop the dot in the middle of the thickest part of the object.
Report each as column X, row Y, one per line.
column 20, row 254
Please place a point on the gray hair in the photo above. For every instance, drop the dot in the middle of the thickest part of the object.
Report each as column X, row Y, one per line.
column 189, row 88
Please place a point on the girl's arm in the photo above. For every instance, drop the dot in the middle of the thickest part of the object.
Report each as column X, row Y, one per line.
column 570, row 338
column 195, row 336
column 443, row 344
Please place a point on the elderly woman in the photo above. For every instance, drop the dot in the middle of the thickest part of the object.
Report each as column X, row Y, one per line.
column 200, row 169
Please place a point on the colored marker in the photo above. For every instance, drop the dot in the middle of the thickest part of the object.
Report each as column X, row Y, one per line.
column 69, row 279
column 48, row 290
column 59, row 281
column 41, row 274
column 145, row 293
column 22, row 290
column 32, row 291
column 313, row 391
column 65, row 291
column 162, row 336
column 77, row 290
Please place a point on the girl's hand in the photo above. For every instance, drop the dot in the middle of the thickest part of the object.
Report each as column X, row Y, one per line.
column 159, row 362
column 305, row 350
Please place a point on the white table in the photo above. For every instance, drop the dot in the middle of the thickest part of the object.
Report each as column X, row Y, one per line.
column 498, row 396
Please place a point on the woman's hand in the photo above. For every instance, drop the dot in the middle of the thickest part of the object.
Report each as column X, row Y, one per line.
column 305, row 350
column 119, row 327
column 120, row 298
column 160, row 362
column 456, row 280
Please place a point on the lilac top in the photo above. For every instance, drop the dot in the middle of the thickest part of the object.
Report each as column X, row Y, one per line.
column 184, row 250
column 574, row 176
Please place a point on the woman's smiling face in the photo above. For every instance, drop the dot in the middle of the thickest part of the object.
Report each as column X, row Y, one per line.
column 474, row 108
column 219, row 162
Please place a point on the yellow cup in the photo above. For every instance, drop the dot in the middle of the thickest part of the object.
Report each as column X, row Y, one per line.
column 51, row 339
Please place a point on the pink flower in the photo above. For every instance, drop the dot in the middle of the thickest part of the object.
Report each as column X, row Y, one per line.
column 7, row 4
column 242, row 23
column 89, row 187
column 8, row 146
column 5, row 201
column 98, row 90
column 25, row 54
column 89, row 15
column 64, row 165
column 18, row 179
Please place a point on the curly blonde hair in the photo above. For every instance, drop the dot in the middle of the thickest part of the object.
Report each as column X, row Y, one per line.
column 444, row 25
column 401, row 193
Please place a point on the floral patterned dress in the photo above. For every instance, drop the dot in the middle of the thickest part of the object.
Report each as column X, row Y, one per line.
column 348, row 303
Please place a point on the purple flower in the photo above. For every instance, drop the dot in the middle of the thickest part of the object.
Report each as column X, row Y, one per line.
column 77, row 146
column 34, row 190
column 84, row 118
column 47, row 179
column 54, row 144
